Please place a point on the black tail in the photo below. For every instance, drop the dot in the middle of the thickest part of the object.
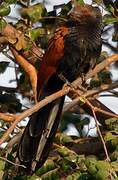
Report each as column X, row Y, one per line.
column 37, row 138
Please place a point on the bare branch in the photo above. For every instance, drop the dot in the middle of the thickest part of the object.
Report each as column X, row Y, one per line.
column 90, row 93
column 4, row 159
column 101, row 137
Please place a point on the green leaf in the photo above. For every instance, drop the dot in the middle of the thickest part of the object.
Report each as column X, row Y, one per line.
column 73, row 158
column 10, row 1
column 3, row 24
column 109, row 136
column 65, row 9
column 1, row 174
column 2, row 165
column 97, row 1
column 3, row 66
column 90, row 160
column 80, row 2
column 64, row 151
column 105, row 170
column 114, row 141
column 33, row 177
column 114, row 156
column 36, row 33
column 85, row 176
column 34, row 13
column 74, row 176
column 51, row 175
column 115, row 166
column 1, row 123
column 4, row 10
column 110, row 8
column 104, row 76
column 102, row 175
column 108, row 19
column 92, row 169
column 103, row 56
column 48, row 166
column 112, row 124
column 103, row 165
column 63, row 138
column 84, row 121
column 95, row 83
column 65, row 166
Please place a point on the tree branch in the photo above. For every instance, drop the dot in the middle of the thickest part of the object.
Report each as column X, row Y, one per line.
column 102, row 112
column 35, row 108
column 58, row 94
column 97, row 69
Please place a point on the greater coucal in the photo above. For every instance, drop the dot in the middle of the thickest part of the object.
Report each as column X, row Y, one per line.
column 71, row 52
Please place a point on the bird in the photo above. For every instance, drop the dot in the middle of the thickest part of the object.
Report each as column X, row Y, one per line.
column 71, row 52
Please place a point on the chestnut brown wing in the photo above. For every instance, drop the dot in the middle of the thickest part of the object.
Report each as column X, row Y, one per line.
column 51, row 58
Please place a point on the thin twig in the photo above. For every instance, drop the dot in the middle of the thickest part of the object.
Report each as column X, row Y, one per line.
column 100, row 134
column 106, row 112
column 15, row 164
column 91, row 93
column 89, row 128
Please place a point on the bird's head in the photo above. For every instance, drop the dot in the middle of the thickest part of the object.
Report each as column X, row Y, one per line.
column 85, row 14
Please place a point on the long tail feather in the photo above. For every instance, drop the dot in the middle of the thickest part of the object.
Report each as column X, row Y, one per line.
column 38, row 136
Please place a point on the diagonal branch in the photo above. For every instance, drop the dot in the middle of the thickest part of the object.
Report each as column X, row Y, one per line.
column 97, row 69
column 35, row 108
column 90, row 93
column 62, row 92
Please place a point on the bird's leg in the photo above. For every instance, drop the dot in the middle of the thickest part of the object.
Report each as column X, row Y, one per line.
column 83, row 78
column 62, row 77
column 80, row 86
column 67, row 83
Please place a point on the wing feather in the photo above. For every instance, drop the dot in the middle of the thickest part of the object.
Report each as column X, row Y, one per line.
column 52, row 56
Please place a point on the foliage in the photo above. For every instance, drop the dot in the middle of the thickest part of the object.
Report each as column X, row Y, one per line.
column 68, row 161
column 71, row 157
